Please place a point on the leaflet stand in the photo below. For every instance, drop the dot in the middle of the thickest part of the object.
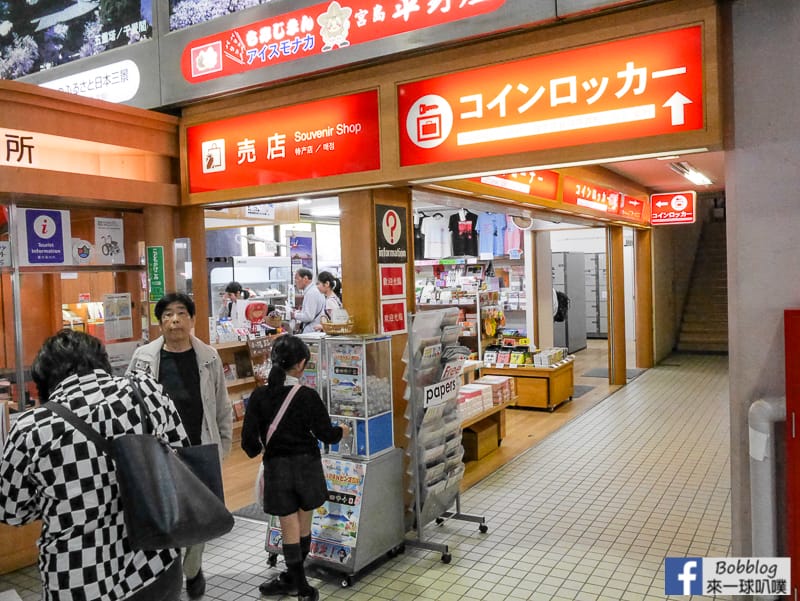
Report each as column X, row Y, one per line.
column 434, row 362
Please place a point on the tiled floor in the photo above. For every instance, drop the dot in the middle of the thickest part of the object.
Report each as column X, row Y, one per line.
column 588, row 514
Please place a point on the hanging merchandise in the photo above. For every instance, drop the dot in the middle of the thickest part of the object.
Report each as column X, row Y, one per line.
column 438, row 243
column 464, row 233
column 499, row 234
column 513, row 239
column 485, row 227
column 419, row 237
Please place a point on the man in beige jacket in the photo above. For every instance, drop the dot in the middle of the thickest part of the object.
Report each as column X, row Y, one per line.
column 191, row 373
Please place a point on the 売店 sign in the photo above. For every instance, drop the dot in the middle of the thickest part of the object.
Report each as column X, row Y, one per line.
column 632, row 88
column 677, row 207
column 326, row 137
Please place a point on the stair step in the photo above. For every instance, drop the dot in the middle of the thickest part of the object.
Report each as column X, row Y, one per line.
column 703, row 338
column 701, row 348
column 704, row 325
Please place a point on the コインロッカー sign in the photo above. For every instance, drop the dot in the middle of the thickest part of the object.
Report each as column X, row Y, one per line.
column 632, row 88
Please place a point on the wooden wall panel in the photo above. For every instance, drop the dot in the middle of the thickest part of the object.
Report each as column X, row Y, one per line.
column 615, row 272
column 643, row 248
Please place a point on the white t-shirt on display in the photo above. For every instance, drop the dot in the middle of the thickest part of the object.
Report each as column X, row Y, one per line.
column 438, row 241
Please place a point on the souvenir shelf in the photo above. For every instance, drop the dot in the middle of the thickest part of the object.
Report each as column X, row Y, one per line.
column 482, row 315
column 434, row 366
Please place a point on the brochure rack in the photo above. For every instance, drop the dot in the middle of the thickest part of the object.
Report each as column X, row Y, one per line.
column 434, row 362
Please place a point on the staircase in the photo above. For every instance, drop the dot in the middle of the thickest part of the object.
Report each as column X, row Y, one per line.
column 704, row 328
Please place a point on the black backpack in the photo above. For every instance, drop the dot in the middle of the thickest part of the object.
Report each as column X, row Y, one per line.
column 563, row 306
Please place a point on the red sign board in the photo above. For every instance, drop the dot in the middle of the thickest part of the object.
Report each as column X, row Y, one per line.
column 542, row 184
column 584, row 194
column 393, row 280
column 677, row 207
column 316, row 30
column 317, row 139
column 633, row 88
column 791, row 340
column 632, row 208
column 393, row 316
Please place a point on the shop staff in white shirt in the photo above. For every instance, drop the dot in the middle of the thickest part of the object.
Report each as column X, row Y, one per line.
column 313, row 307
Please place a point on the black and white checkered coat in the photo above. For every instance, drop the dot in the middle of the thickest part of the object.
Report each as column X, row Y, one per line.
column 50, row 471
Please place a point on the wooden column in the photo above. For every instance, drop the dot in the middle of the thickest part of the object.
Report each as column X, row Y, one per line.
column 643, row 250
column 360, row 277
column 159, row 230
column 616, row 305
column 193, row 226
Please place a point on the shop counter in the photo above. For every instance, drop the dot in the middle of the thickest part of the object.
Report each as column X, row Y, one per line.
column 539, row 387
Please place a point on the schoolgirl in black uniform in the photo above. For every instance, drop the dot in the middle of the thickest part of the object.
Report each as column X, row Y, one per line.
column 294, row 484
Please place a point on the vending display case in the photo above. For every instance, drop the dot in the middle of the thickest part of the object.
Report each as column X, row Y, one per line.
column 360, row 392
column 362, row 519
column 315, row 374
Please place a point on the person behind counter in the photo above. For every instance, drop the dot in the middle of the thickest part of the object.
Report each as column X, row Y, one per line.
column 313, row 307
column 49, row 471
column 191, row 373
column 331, row 288
column 233, row 292
column 294, row 483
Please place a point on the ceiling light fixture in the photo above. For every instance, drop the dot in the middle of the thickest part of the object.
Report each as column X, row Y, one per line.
column 693, row 175
column 324, row 212
column 599, row 161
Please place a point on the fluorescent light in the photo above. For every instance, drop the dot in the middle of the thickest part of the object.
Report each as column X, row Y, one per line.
column 599, row 161
column 693, row 175
column 324, row 212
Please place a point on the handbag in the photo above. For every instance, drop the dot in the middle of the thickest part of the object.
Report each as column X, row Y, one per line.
column 270, row 431
column 170, row 497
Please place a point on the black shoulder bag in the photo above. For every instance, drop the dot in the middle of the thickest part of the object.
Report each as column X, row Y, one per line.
column 170, row 497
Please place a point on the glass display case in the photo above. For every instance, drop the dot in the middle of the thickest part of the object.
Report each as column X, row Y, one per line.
column 267, row 278
column 360, row 392
column 315, row 374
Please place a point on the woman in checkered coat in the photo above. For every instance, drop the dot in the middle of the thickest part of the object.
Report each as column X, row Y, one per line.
column 50, row 471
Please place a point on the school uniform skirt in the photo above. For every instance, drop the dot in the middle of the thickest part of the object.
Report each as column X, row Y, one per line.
column 293, row 482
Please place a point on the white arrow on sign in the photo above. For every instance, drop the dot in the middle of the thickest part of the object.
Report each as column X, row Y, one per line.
column 661, row 203
column 676, row 103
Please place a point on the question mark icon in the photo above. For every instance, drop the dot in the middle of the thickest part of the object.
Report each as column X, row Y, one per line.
column 391, row 222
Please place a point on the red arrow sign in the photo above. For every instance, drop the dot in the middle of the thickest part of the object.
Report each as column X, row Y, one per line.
column 676, row 207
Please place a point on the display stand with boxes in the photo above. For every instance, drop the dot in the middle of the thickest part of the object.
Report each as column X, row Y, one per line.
column 482, row 405
column 479, row 440
column 540, row 387
column 363, row 516
column 434, row 365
